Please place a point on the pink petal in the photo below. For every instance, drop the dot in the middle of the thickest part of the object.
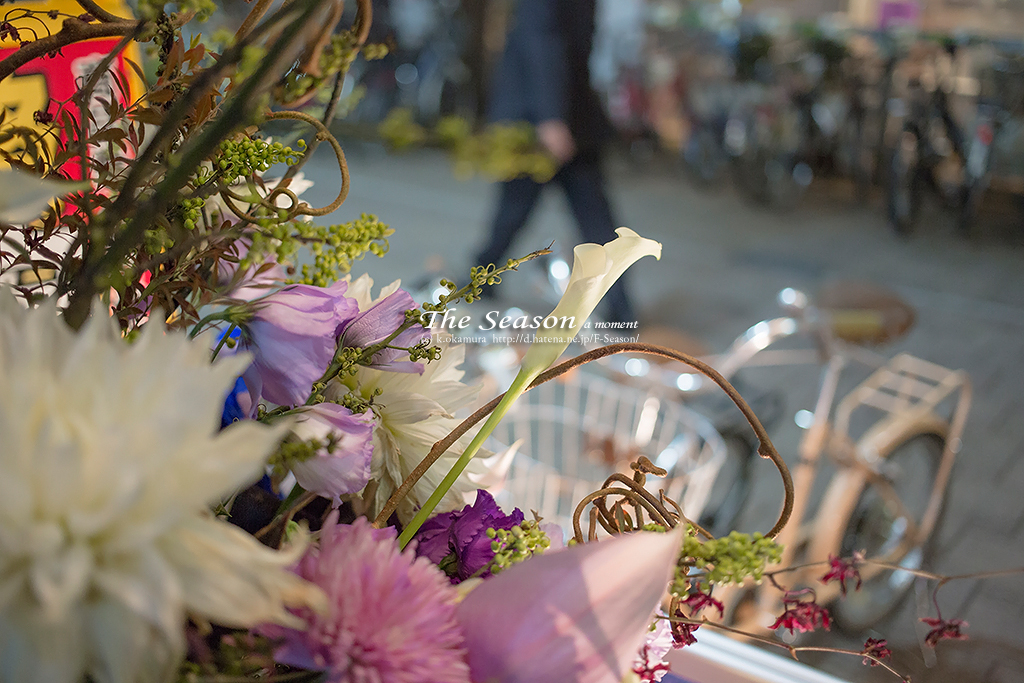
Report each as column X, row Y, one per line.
column 577, row 615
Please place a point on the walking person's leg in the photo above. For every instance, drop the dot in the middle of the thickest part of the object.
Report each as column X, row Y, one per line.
column 516, row 199
column 583, row 183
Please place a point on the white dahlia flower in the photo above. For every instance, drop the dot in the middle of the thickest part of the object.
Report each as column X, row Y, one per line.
column 415, row 411
column 110, row 457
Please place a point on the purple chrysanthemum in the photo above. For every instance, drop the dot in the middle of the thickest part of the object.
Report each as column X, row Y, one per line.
column 391, row 615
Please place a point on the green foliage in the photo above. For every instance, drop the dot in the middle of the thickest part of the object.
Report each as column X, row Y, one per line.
column 336, row 58
column 400, row 130
column 335, row 247
column 725, row 560
column 514, row 545
column 502, row 151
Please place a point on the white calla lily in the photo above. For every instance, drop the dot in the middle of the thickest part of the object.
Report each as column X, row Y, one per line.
column 595, row 269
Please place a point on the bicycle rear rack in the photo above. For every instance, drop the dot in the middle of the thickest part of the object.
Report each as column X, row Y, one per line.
column 909, row 392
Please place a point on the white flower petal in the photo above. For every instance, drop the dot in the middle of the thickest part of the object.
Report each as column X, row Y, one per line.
column 127, row 649
column 24, row 197
column 109, row 457
column 409, row 408
column 232, row 579
column 35, row 650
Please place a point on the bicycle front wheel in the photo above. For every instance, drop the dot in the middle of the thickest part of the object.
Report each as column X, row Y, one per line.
column 880, row 529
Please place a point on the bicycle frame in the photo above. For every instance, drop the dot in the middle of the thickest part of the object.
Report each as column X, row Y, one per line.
column 908, row 394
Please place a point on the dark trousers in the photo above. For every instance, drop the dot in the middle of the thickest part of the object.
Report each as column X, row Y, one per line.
column 583, row 183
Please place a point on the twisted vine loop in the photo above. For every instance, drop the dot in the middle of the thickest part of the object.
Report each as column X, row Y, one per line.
column 297, row 208
column 632, row 491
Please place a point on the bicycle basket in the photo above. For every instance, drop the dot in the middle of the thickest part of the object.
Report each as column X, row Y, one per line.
column 576, row 431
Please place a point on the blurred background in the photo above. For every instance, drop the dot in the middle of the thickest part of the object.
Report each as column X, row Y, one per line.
column 770, row 144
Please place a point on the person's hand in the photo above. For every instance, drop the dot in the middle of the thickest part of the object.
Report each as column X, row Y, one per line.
column 557, row 139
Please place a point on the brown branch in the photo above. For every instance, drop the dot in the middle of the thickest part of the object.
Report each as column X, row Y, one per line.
column 103, row 15
column 792, row 649
column 322, row 133
column 253, row 18
column 636, row 486
column 630, row 495
column 361, row 28
column 364, row 17
column 281, row 521
column 72, row 31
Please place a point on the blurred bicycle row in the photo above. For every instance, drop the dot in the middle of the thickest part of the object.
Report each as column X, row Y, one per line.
column 772, row 104
column 775, row 108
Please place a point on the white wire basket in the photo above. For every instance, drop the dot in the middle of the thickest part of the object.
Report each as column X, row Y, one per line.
column 575, row 431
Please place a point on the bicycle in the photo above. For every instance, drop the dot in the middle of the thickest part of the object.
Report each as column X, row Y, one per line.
column 927, row 137
column 893, row 439
column 993, row 149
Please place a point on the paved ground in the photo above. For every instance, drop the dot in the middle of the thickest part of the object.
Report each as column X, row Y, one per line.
column 723, row 263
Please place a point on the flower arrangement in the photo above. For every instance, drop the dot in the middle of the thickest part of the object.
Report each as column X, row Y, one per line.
column 217, row 466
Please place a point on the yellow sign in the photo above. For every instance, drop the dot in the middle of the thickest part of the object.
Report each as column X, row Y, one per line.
column 39, row 88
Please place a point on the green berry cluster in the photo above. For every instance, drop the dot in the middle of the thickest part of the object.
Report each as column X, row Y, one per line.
column 453, row 130
column 192, row 211
column 372, row 51
column 252, row 55
column 501, row 151
column 514, row 545
column 508, row 151
column 156, row 240
column 335, row 247
column 424, row 351
column 725, row 560
column 339, row 53
column 346, row 358
column 274, row 237
column 239, row 159
column 478, row 277
column 357, row 403
column 298, row 450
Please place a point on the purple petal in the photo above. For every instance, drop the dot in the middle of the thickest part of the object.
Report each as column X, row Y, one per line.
column 474, row 555
column 433, row 537
column 347, row 468
column 293, row 338
column 572, row 616
column 379, row 321
column 289, row 363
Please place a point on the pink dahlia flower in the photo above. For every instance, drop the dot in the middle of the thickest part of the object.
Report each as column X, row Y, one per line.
column 391, row 616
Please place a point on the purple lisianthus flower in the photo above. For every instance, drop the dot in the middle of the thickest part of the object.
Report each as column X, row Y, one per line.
column 458, row 541
column 293, row 336
column 377, row 323
column 343, row 465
